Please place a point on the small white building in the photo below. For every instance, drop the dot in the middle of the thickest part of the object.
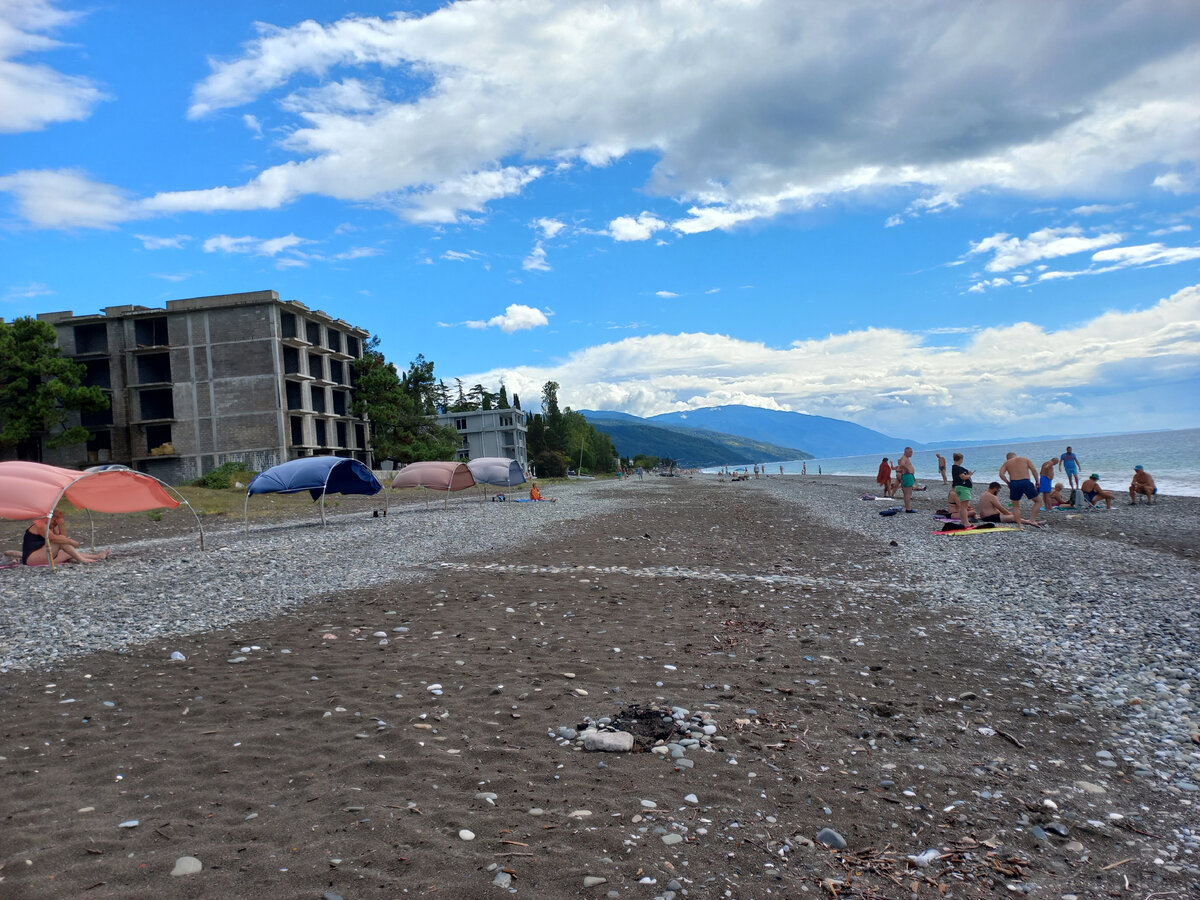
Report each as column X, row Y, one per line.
column 489, row 432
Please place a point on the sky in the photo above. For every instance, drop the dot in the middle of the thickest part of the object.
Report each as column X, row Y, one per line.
column 935, row 219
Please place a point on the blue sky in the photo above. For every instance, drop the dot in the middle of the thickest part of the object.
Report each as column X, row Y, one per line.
column 934, row 219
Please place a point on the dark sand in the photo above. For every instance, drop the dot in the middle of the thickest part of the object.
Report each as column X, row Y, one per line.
column 270, row 769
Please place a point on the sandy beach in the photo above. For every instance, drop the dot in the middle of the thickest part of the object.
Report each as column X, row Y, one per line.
column 393, row 707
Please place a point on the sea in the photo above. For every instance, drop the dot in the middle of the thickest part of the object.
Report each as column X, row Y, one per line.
column 1171, row 457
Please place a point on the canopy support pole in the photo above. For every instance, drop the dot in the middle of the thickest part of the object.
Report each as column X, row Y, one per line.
column 92, row 522
column 246, row 513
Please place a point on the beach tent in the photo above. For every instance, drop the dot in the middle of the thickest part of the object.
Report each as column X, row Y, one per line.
column 434, row 476
column 496, row 470
column 30, row 490
column 319, row 475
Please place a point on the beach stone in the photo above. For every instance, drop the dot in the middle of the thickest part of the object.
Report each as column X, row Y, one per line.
column 671, row 839
column 608, row 741
column 330, row 895
column 466, row 834
column 691, row 798
column 594, row 880
column 831, row 838
column 502, row 879
column 129, row 823
column 186, row 865
column 1089, row 787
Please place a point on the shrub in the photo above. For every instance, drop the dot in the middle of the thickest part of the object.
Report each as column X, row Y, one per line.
column 550, row 464
column 224, row 475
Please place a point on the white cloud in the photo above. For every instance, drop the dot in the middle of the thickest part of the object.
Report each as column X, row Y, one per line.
column 666, row 295
column 896, row 380
column 67, row 198
column 1173, row 229
column 154, row 242
column 1012, row 252
column 253, row 124
column 713, row 291
column 549, row 227
column 172, row 276
column 536, row 260
column 357, row 253
column 27, row 291
column 1099, row 209
column 1146, row 255
column 640, row 228
column 33, row 96
column 516, row 317
column 224, row 243
column 1177, row 182
column 461, row 255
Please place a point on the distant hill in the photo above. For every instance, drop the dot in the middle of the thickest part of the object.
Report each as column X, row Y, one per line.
column 690, row 447
column 819, row 436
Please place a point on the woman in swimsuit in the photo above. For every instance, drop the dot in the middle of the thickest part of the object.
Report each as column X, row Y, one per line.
column 33, row 544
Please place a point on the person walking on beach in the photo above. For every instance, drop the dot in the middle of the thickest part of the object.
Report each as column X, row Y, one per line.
column 1142, row 484
column 1092, row 491
column 1070, row 464
column 942, row 467
column 1019, row 474
column 1046, row 484
column 962, row 488
column 908, row 478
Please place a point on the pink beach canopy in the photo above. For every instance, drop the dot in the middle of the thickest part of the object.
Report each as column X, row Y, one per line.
column 30, row 490
column 437, row 476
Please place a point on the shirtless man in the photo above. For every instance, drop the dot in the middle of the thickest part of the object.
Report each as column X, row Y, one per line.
column 908, row 478
column 1020, row 476
column 990, row 507
column 1046, row 484
column 942, row 467
column 1142, row 484
column 1092, row 491
column 1070, row 464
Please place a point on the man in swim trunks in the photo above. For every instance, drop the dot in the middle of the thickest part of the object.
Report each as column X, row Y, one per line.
column 990, row 507
column 1046, row 483
column 1070, row 463
column 1020, row 476
column 1092, row 491
column 942, row 467
column 908, row 478
column 1142, row 484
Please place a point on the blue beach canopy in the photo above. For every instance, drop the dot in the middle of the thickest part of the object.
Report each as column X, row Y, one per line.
column 319, row 475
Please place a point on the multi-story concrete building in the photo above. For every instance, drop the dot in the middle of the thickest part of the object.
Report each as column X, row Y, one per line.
column 489, row 432
column 208, row 380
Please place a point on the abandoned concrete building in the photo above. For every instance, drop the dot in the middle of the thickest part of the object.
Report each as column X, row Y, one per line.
column 207, row 380
column 489, row 432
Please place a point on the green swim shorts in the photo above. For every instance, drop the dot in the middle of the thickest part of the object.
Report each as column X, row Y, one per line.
column 908, row 480
column 962, row 492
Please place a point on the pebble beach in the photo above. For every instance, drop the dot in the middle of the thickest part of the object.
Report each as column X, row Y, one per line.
column 909, row 693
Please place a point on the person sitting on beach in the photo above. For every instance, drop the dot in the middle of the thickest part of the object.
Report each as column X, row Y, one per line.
column 883, row 477
column 535, row 494
column 1056, row 497
column 1092, row 492
column 1142, row 484
column 1020, row 476
column 961, row 509
column 990, row 507
column 33, row 544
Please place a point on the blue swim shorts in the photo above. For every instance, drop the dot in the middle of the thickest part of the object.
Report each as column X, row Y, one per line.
column 1071, row 468
column 1045, row 485
column 1022, row 489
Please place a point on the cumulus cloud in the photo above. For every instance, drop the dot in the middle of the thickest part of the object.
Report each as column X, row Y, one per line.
column 516, row 317
column 536, row 260
column 549, row 227
column 33, row 96
column 763, row 112
column 224, row 243
column 154, row 242
column 67, row 198
column 891, row 379
column 639, row 228
column 1177, row 182
column 1009, row 252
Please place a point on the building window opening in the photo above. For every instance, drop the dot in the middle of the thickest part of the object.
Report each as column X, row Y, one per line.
column 360, row 437
column 335, row 341
column 297, row 423
column 154, row 368
column 341, row 434
column 291, row 361
column 98, row 373
column 337, row 371
column 294, row 396
column 316, row 366
column 312, row 331
column 352, row 346
column 321, row 433
column 158, row 404
column 318, row 400
column 158, row 440
column 460, row 424
column 97, row 418
column 91, row 338
column 287, row 324
column 339, row 403
column 150, row 332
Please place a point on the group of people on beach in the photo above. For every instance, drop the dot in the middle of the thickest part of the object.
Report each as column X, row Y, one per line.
column 1025, row 481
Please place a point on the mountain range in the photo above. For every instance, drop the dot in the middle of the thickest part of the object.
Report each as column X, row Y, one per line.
column 690, row 447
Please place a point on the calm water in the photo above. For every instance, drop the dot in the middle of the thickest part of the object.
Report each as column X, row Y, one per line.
column 1172, row 457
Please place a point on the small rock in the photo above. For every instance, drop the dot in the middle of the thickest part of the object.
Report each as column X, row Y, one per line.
column 466, row 834
column 608, row 741
column 831, row 838
column 502, row 879
column 187, row 865
column 129, row 823
column 593, row 880
column 670, row 839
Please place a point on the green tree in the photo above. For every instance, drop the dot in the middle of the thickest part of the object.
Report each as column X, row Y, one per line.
column 516, row 401
column 502, row 398
column 39, row 388
column 556, row 426
column 401, row 408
